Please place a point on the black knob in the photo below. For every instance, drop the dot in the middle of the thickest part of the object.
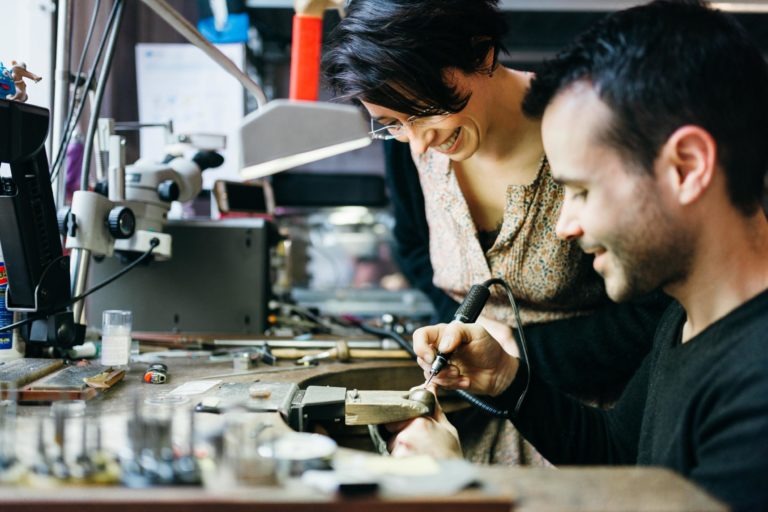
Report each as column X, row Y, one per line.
column 121, row 222
column 168, row 190
column 66, row 221
column 208, row 159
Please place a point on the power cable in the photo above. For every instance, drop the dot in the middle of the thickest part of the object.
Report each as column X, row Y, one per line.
column 153, row 243
column 73, row 119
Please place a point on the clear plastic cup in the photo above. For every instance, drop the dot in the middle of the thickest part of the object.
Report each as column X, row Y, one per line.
column 115, row 338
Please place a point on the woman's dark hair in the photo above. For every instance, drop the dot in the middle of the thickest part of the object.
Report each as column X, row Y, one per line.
column 665, row 65
column 395, row 53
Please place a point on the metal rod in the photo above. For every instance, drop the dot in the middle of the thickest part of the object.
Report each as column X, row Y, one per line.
column 78, row 269
column 134, row 125
column 190, row 33
column 101, row 84
column 60, row 91
column 301, row 343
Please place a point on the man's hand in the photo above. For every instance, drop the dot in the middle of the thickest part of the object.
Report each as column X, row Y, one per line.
column 478, row 362
column 427, row 435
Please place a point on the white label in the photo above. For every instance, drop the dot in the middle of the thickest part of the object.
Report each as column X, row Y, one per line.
column 115, row 349
column 195, row 387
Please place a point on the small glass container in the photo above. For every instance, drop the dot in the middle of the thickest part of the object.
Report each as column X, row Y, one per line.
column 116, row 338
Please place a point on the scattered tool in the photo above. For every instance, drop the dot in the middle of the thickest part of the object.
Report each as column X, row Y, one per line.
column 79, row 381
column 105, row 379
column 15, row 374
column 341, row 351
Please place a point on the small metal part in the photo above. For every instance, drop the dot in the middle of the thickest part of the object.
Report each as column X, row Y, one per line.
column 209, row 404
column 244, row 361
column 266, row 356
column 440, row 362
column 425, row 397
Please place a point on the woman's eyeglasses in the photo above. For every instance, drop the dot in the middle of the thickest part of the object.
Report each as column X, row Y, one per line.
column 396, row 129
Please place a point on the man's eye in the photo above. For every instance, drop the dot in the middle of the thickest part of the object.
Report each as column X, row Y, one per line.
column 579, row 194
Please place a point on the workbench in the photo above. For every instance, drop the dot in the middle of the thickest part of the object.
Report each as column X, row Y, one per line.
column 501, row 488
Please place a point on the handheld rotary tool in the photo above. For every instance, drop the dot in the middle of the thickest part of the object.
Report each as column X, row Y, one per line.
column 467, row 313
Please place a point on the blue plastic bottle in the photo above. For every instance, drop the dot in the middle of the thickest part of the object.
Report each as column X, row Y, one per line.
column 8, row 342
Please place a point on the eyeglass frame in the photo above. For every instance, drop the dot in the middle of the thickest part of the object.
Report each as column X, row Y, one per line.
column 414, row 120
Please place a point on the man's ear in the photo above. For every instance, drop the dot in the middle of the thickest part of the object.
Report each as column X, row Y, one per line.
column 690, row 158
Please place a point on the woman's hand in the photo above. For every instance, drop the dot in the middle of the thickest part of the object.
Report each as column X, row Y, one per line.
column 503, row 334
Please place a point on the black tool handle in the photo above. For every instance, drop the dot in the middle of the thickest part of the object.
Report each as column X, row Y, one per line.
column 467, row 313
column 473, row 304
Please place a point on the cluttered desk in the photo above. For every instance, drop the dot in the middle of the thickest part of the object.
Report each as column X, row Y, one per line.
column 228, row 422
column 140, row 442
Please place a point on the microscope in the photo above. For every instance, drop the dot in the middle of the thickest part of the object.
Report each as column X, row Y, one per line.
column 44, row 283
column 126, row 215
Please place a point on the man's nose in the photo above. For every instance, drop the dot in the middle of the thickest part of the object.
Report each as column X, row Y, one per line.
column 568, row 226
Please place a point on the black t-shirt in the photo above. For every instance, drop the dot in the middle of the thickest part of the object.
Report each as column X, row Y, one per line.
column 699, row 408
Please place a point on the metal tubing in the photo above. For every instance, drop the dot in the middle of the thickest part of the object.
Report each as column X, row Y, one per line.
column 79, row 261
column 61, row 90
column 190, row 33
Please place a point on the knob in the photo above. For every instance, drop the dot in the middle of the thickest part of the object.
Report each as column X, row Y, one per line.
column 66, row 221
column 121, row 222
column 168, row 190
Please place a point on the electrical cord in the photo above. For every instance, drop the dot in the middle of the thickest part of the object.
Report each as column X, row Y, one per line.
column 466, row 395
column 521, row 334
column 99, row 95
column 73, row 98
column 386, row 333
column 73, row 119
column 153, row 243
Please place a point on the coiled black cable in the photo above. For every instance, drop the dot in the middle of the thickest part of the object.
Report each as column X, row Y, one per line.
column 478, row 300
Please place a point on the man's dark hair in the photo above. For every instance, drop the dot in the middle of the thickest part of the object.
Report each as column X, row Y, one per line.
column 394, row 53
column 665, row 65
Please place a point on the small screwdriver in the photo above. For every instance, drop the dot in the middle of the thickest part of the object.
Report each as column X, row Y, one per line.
column 467, row 313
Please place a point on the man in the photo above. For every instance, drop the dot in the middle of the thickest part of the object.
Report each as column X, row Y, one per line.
column 655, row 120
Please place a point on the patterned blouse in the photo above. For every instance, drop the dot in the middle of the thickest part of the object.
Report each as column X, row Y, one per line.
column 550, row 278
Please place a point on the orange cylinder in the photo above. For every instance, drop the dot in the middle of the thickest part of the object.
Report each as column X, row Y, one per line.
column 305, row 57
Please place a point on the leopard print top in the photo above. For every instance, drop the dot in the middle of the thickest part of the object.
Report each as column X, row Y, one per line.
column 550, row 278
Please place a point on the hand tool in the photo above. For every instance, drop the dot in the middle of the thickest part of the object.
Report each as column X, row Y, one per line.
column 467, row 313
column 341, row 352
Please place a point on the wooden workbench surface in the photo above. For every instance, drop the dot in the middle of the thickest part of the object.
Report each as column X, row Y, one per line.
column 503, row 488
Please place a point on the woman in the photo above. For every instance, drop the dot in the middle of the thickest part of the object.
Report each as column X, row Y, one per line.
column 427, row 73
